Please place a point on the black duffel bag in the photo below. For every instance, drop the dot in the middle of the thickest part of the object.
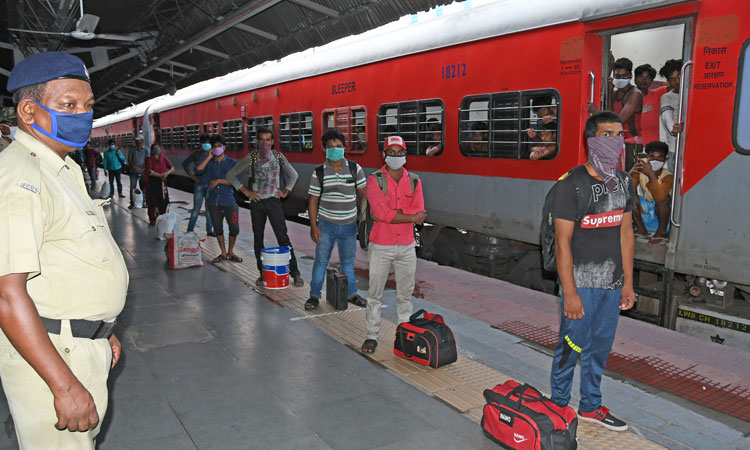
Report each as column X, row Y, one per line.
column 426, row 340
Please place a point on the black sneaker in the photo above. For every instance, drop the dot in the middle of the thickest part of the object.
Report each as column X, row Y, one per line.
column 602, row 417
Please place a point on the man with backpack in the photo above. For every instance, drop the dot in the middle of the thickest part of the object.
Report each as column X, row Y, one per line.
column 265, row 177
column 396, row 203
column 593, row 247
column 113, row 164
column 334, row 190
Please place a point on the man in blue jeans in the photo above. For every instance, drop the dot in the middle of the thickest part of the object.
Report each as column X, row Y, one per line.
column 332, row 207
column 200, row 190
column 594, row 255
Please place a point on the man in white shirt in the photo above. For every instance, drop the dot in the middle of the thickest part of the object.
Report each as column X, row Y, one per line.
column 669, row 125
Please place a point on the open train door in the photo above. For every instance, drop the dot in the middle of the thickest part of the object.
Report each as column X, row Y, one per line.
column 651, row 36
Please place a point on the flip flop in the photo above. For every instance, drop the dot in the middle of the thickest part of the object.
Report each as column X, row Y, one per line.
column 219, row 259
column 656, row 241
column 312, row 303
column 234, row 258
column 369, row 346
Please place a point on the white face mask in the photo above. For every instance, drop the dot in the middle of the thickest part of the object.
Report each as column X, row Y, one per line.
column 395, row 162
column 621, row 82
column 656, row 165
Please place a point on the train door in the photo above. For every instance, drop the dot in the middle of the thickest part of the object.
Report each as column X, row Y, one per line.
column 645, row 47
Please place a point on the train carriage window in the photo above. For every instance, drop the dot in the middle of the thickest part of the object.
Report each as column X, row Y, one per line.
column 513, row 125
column 420, row 123
column 127, row 140
column 296, row 132
column 741, row 134
column 166, row 138
column 232, row 132
column 352, row 123
column 178, row 137
column 253, row 124
column 193, row 136
column 211, row 128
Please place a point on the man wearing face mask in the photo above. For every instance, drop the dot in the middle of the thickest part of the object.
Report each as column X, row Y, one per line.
column 595, row 265
column 113, row 159
column 265, row 177
column 628, row 104
column 56, row 345
column 220, row 203
column 200, row 190
column 392, row 241
column 653, row 184
column 335, row 189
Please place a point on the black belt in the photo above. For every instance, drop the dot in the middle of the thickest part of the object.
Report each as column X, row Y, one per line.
column 80, row 328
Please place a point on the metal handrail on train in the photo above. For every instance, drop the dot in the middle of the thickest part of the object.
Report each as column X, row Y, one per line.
column 593, row 81
column 677, row 152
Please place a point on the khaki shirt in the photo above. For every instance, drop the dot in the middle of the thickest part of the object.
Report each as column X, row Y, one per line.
column 51, row 229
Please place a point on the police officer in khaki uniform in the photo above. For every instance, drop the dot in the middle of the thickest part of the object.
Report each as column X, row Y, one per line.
column 63, row 280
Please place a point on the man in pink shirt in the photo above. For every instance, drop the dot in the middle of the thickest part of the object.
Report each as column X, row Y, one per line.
column 395, row 212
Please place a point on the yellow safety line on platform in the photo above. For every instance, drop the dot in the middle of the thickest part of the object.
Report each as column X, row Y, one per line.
column 459, row 385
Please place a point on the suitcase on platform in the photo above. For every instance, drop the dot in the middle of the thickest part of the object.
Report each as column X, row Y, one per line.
column 337, row 287
column 520, row 417
column 425, row 340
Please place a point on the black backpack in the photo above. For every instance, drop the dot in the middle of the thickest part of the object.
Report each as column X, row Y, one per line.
column 548, row 220
column 365, row 217
column 254, row 162
column 352, row 170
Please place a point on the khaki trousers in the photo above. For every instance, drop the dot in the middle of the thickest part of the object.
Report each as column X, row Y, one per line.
column 404, row 261
column 31, row 402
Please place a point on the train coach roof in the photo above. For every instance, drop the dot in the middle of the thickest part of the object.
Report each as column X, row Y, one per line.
column 399, row 39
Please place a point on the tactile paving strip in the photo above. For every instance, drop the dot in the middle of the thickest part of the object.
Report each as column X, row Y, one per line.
column 459, row 385
column 730, row 399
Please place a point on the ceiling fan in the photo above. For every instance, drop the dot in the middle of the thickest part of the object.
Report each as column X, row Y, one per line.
column 85, row 27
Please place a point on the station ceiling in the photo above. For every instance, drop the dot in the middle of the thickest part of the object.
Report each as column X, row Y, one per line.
column 136, row 49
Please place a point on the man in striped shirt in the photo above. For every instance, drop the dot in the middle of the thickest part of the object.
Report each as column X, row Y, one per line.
column 333, row 215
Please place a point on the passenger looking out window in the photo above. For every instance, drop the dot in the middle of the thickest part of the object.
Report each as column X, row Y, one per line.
column 652, row 92
column 359, row 138
column 653, row 183
column 628, row 104
column 546, row 141
column 670, row 108
column 479, row 143
column 433, row 138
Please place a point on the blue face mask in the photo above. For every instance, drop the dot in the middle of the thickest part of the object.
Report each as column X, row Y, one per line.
column 335, row 154
column 206, row 146
column 112, row 147
column 72, row 130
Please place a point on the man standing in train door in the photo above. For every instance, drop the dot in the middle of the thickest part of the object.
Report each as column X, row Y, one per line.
column 594, row 255
column 396, row 203
column 63, row 279
column 265, row 177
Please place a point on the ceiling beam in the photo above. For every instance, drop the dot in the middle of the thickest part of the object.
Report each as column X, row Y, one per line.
column 170, row 72
column 6, row 45
column 135, row 88
column 257, row 31
column 317, row 7
column 211, row 51
column 132, row 53
column 4, row 72
column 184, row 66
column 245, row 12
column 158, row 83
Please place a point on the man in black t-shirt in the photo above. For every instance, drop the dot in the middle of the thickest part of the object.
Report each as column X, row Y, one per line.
column 595, row 264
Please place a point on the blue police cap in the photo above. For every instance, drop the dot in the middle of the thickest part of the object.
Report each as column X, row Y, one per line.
column 44, row 67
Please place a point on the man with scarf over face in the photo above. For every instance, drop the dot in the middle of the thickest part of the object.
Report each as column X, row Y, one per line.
column 63, row 279
column 265, row 177
column 595, row 264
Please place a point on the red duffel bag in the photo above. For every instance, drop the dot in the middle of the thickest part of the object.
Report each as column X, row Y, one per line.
column 520, row 417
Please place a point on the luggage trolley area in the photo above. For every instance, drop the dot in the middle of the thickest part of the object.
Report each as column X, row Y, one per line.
column 211, row 361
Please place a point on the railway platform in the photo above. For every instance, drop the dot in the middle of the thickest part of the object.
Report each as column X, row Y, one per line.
column 213, row 362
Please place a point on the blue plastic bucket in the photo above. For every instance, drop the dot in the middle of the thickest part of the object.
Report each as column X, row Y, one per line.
column 275, row 261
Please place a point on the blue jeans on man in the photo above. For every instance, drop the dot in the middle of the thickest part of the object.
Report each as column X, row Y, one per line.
column 136, row 180
column 200, row 192
column 591, row 337
column 345, row 238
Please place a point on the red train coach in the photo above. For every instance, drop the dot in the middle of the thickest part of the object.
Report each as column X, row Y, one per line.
column 463, row 88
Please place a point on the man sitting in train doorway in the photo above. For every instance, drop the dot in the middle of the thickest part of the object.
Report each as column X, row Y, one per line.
column 200, row 189
column 653, row 182
column 628, row 104
column 265, row 176
column 395, row 210
column 595, row 265
column 332, row 207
